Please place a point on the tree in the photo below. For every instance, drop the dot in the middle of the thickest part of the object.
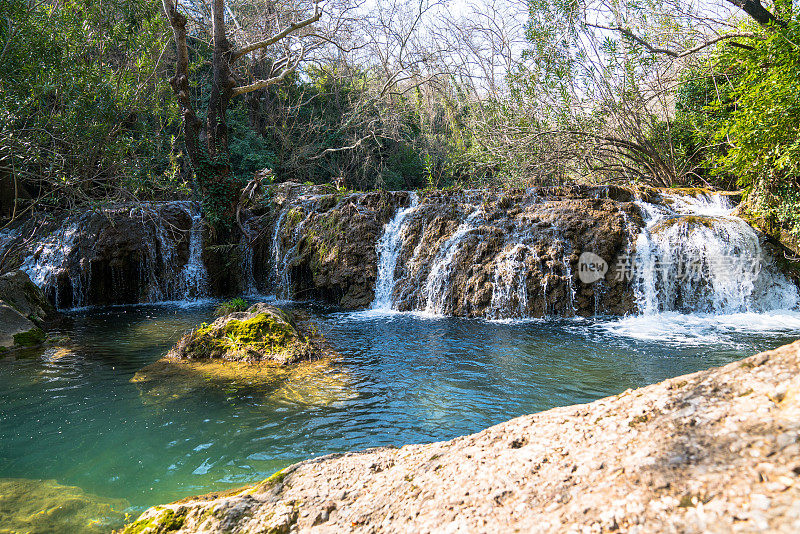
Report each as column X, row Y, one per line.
column 207, row 140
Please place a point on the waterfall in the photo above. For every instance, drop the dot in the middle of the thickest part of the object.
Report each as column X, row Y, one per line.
column 122, row 255
column 49, row 260
column 695, row 257
column 509, row 289
column 275, row 252
column 388, row 249
column 437, row 286
column 282, row 259
column 194, row 277
column 249, row 286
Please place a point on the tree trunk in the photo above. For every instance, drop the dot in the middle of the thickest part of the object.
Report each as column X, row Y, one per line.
column 221, row 86
column 211, row 163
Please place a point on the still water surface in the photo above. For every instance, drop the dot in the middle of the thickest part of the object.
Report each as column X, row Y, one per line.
column 74, row 416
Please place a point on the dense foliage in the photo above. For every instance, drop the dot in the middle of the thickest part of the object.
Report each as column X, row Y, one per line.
column 741, row 109
column 87, row 114
column 83, row 107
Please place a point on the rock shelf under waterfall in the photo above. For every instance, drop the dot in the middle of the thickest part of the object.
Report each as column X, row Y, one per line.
column 497, row 255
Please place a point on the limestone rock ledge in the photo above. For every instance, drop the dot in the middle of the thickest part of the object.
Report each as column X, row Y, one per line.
column 714, row 451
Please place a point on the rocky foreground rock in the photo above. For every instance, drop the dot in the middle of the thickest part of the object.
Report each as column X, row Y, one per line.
column 23, row 311
column 714, row 451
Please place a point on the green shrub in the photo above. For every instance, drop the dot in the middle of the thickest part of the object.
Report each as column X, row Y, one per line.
column 234, row 305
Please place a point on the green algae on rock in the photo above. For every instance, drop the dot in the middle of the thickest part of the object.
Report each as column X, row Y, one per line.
column 43, row 506
column 16, row 330
column 262, row 352
column 263, row 332
column 315, row 383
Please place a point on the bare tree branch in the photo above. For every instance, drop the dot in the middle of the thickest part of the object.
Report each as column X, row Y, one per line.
column 236, row 54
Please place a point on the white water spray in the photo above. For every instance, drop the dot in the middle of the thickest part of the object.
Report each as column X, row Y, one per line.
column 509, row 288
column 438, row 282
column 696, row 257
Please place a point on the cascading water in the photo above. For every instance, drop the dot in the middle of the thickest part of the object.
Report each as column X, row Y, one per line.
column 49, row 259
column 139, row 261
column 292, row 222
column 248, row 262
column 275, row 252
column 696, row 257
column 509, row 288
column 437, row 286
column 388, row 250
column 194, row 277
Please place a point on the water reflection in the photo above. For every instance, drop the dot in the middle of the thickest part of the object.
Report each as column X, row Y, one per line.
column 75, row 415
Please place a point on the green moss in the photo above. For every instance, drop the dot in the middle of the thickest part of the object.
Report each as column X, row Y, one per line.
column 273, row 480
column 167, row 521
column 240, row 339
column 35, row 336
column 234, row 305
column 294, row 217
column 261, row 330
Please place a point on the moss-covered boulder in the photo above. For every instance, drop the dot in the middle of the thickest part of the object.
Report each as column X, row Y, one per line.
column 16, row 330
column 19, row 292
column 249, row 353
column 263, row 332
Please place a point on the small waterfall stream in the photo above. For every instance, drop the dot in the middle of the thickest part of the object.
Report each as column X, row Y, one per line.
column 509, row 287
column 194, row 277
column 148, row 253
column 388, row 249
column 437, row 287
column 50, row 259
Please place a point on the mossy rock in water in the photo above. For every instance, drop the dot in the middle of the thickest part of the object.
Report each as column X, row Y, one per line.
column 263, row 332
column 248, row 353
column 689, row 222
column 16, row 330
column 39, row 506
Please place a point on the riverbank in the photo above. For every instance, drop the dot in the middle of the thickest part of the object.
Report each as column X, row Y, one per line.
column 713, row 451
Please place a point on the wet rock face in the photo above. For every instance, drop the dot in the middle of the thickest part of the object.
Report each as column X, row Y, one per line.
column 513, row 255
column 19, row 292
column 473, row 253
column 117, row 255
column 316, row 244
column 23, row 311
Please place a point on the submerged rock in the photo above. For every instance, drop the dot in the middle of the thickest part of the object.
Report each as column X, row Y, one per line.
column 315, row 383
column 45, row 506
column 263, row 332
column 711, row 451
